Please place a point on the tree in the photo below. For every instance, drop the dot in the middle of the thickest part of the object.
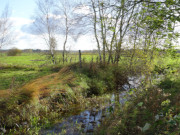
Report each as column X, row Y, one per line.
column 6, row 36
column 55, row 18
column 157, row 21
column 111, row 23
column 95, row 27
column 46, row 25
column 68, row 21
column 153, row 22
column 14, row 52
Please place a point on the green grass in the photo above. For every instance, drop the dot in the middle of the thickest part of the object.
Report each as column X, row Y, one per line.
column 22, row 68
column 54, row 94
column 25, row 59
column 18, row 70
column 28, row 66
column 17, row 78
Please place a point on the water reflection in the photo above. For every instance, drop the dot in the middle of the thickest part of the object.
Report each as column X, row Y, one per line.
column 88, row 120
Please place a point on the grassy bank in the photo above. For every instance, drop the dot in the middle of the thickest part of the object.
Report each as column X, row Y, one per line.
column 152, row 110
column 38, row 103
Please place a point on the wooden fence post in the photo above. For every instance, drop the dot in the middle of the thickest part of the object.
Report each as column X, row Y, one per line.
column 12, row 83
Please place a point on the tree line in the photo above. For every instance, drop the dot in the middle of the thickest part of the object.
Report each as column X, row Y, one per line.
column 146, row 25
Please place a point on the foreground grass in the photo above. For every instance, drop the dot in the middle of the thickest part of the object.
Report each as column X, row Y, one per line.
column 11, row 79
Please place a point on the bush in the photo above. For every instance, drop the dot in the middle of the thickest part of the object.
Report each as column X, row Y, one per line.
column 96, row 87
column 14, row 52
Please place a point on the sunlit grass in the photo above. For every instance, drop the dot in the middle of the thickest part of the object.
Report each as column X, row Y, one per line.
column 30, row 59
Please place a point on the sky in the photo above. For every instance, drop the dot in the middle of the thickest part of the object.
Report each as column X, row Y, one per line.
column 22, row 12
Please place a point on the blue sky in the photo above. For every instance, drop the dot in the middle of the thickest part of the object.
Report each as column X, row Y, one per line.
column 20, row 8
column 22, row 12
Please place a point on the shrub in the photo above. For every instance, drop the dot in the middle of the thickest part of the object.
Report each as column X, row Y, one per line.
column 14, row 52
column 96, row 87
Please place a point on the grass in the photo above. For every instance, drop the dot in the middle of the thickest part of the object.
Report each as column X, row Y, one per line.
column 13, row 78
column 35, row 101
column 151, row 110
column 18, row 70
column 25, row 59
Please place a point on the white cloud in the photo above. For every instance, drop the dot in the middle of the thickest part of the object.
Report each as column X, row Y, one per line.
column 26, row 40
column 18, row 22
column 85, row 43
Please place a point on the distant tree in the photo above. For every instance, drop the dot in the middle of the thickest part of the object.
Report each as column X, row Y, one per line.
column 28, row 51
column 6, row 36
column 14, row 52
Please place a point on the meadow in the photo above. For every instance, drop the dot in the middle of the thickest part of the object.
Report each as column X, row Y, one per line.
column 27, row 66
column 19, row 69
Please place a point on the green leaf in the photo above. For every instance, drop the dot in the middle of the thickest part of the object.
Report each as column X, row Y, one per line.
column 140, row 104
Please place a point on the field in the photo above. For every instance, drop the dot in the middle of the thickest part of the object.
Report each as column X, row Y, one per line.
column 18, row 70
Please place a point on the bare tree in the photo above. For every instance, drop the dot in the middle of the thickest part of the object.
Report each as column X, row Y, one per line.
column 68, row 21
column 45, row 25
column 6, row 36
column 95, row 27
column 112, row 19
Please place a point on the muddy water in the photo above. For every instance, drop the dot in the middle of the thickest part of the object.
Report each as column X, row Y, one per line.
column 87, row 121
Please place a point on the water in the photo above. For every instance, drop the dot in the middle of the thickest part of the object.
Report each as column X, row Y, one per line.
column 87, row 121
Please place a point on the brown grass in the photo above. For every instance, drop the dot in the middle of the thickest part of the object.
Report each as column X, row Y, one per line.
column 4, row 93
column 42, row 87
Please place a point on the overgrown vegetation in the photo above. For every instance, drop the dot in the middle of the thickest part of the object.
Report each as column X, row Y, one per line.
column 133, row 38
column 53, row 94
column 151, row 110
column 32, row 103
column 14, row 52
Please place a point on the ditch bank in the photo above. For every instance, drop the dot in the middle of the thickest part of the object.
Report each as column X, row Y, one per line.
column 45, row 101
column 86, row 121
